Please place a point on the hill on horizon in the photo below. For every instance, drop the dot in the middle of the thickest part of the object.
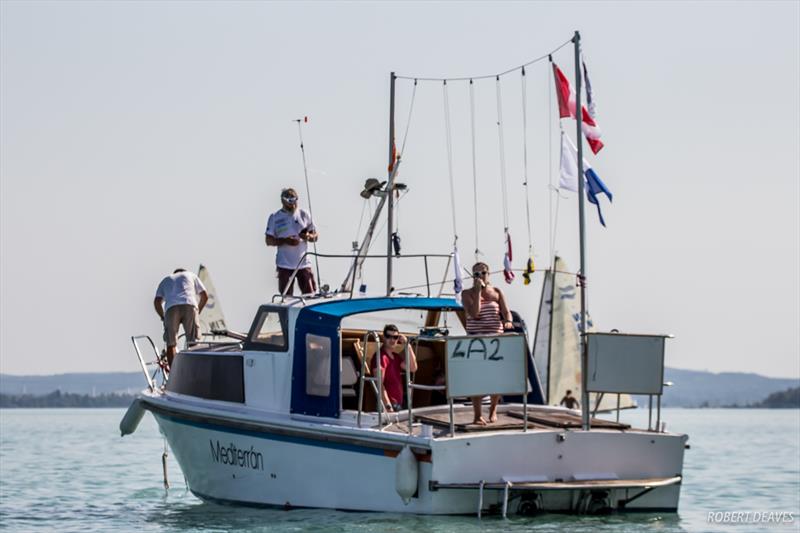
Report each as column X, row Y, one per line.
column 692, row 388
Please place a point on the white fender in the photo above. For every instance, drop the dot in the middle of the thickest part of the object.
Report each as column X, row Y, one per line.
column 406, row 469
column 132, row 417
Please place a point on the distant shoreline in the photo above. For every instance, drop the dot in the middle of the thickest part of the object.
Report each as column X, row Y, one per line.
column 781, row 400
column 58, row 399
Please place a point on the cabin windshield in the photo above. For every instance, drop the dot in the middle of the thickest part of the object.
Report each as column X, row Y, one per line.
column 269, row 330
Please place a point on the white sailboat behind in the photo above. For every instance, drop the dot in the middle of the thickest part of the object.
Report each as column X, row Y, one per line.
column 211, row 318
column 557, row 343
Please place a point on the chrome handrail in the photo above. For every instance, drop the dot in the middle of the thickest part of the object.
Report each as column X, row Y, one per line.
column 151, row 380
column 352, row 274
column 378, row 389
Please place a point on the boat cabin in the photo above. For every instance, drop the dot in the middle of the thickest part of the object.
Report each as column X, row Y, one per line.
column 307, row 359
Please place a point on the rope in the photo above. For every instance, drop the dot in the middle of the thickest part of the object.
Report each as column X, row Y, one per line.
column 448, row 136
column 525, row 158
column 361, row 219
column 308, row 190
column 487, row 76
column 408, row 121
column 551, row 230
column 474, row 166
column 501, row 141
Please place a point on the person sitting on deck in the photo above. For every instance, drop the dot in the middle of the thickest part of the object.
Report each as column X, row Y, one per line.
column 569, row 401
column 487, row 314
column 393, row 366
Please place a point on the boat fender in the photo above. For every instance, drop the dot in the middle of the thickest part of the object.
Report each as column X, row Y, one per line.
column 406, row 474
column 132, row 417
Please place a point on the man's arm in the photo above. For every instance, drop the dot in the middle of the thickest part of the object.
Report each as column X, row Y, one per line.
column 412, row 357
column 310, row 235
column 203, row 301
column 159, row 308
column 276, row 241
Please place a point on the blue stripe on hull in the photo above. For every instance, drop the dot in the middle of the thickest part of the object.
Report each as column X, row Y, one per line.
column 319, row 443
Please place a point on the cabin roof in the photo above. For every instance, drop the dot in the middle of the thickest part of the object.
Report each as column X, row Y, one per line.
column 343, row 308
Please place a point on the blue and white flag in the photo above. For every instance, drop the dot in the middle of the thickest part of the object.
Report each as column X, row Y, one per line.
column 590, row 100
column 569, row 176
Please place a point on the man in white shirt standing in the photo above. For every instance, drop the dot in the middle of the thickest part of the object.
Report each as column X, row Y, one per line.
column 291, row 229
column 179, row 299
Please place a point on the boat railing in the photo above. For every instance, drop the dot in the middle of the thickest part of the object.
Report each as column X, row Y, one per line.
column 375, row 381
column 348, row 285
column 158, row 365
column 500, row 356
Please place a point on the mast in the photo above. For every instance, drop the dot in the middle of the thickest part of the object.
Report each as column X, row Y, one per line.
column 582, row 224
column 390, row 188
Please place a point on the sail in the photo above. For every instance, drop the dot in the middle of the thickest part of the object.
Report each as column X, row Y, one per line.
column 541, row 342
column 211, row 318
column 564, row 369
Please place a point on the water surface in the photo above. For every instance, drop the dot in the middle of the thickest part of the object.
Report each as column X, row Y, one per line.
column 69, row 470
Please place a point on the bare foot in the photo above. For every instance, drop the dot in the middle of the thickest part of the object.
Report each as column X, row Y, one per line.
column 480, row 421
column 493, row 418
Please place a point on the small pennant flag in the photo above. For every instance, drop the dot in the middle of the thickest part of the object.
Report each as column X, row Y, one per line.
column 458, row 283
column 529, row 269
column 508, row 273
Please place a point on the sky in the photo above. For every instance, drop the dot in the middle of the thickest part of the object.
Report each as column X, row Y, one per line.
column 137, row 137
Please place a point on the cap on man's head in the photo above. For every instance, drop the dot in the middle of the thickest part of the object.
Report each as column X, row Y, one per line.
column 289, row 191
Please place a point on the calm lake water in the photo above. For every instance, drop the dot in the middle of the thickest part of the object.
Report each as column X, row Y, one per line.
column 69, row 470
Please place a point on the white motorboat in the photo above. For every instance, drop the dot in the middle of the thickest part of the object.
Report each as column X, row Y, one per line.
column 287, row 415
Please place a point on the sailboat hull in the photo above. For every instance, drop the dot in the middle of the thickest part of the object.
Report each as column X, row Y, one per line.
column 252, row 463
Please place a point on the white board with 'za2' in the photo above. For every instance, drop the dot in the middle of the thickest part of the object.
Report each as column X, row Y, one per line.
column 479, row 365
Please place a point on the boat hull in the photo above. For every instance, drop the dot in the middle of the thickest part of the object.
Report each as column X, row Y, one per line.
column 252, row 463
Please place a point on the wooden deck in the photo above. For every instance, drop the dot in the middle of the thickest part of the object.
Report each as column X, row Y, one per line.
column 510, row 419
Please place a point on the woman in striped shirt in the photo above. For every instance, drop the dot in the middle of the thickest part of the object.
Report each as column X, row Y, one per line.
column 487, row 314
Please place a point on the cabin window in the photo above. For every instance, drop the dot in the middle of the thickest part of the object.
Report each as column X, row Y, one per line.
column 269, row 332
column 211, row 377
column 318, row 365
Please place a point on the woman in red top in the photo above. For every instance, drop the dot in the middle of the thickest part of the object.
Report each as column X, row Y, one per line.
column 393, row 366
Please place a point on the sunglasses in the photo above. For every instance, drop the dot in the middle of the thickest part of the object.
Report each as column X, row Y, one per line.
column 476, row 274
column 391, row 337
column 290, row 199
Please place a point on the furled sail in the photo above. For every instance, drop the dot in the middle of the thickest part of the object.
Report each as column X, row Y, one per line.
column 557, row 345
column 211, row 318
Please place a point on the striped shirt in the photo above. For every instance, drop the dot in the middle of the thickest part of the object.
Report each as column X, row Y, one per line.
column 488, row 320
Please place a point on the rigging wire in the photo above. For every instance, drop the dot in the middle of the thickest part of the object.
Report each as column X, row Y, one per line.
column 525, row 159
column 360, row 223
column 449, row 139
column 551, row 229
column 529, row 264
column 474, row 166
column 408, row 120
column 487, row 76
column 501, row 141
column 508, row 272
column 308, row 188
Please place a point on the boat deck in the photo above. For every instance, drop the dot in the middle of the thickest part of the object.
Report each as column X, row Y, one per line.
column 511, row 419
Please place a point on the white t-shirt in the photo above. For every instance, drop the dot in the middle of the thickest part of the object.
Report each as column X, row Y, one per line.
column 282, row 224
column 180, row 288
